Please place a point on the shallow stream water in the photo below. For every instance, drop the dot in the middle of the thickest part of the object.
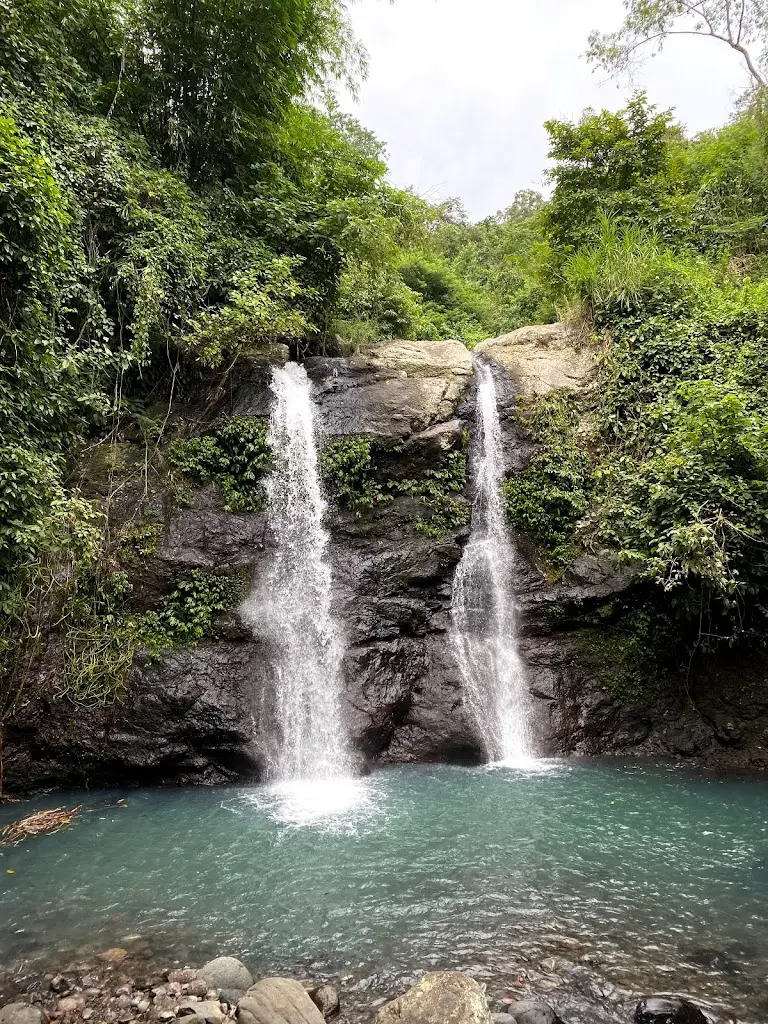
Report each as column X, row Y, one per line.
column 655, row 877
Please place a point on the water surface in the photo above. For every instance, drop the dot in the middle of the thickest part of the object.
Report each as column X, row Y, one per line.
column 661, row 875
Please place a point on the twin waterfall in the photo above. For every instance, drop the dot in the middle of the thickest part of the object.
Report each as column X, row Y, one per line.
column 482, row 603
column 291, row 608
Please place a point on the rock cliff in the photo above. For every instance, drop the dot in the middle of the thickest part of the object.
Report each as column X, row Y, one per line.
column 204, row 714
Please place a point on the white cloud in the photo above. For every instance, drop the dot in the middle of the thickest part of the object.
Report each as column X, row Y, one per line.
column 459, row 89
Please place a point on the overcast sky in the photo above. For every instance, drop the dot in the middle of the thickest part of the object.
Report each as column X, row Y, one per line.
column 459, row 89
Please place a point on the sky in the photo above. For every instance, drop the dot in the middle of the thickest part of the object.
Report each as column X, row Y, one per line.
column 459, row 89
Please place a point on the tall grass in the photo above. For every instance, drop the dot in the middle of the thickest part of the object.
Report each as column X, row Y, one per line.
column 624, row 263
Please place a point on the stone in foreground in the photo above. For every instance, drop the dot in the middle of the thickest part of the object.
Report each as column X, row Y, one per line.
column 277, row 1001
column 532, row 1011
column 443, row 997
column 21, row 1013
column 326, row 999
column 668, row 1010
column 226, row 972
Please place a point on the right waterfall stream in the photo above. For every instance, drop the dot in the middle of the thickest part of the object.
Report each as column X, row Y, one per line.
column 483, row 612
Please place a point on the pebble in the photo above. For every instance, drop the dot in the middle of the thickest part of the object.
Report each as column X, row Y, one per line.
column 166, row 1015
column 59, row 983
column 124, row 1001
column 143, row 1005
column 124, row 990
column 70, row 1003
column 87, row 1014
column 183, row 977
column 195, row 988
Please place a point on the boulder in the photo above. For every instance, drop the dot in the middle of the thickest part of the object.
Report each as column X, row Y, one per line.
column 392, row 389
column 543, row 358
column 277, row 1001
column 443, row 997
column 326, row 999
column 21, row 1013
column 668, row 1010
column 532, row 1011
column 226, row 972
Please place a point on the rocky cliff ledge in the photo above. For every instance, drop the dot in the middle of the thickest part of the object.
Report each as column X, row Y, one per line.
column 204, row 713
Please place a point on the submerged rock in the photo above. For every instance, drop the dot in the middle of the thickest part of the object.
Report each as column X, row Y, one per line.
column 277, row 1001
column 226, row 972
column 668, row 1010
column 443, row 997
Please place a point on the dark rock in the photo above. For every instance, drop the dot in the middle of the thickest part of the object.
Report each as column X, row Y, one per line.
column 668, row 1010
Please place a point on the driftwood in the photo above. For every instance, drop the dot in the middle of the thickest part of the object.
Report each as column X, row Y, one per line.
column 39, row 823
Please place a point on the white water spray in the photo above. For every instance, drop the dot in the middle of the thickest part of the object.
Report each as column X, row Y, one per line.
column 292, row 606
column 483, row 626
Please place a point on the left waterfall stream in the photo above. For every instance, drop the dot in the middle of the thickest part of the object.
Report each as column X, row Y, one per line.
column 291, row 608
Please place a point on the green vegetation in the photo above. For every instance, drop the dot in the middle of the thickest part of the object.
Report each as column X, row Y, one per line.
column 172, row 201
column 234, row 455
column 350, row 473
column 668, row 273
column 355, row 477
column 547, row 499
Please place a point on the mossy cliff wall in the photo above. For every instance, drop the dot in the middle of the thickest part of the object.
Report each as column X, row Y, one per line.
column 197, row 705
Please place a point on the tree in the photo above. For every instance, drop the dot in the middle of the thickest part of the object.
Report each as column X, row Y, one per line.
column 610, row 163
column 207, row 81
column 649, row 23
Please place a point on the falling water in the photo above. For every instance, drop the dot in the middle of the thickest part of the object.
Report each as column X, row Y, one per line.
column 483, row 606
column 292, row 606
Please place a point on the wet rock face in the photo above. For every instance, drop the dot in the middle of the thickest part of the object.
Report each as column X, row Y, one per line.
column 206, row 714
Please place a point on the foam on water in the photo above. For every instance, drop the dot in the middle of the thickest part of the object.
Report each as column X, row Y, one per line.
column 330, row 805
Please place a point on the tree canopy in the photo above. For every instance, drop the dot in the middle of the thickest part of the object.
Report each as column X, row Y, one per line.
column 739, row 24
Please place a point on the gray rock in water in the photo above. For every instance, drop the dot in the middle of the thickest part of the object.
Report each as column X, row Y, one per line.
column 326, row 999
column 226, row 972
column 443, row 997
column 532, row 1011
column 500, row 1018
column 277, row 1001
column 668, row 1010
column 21, row 1013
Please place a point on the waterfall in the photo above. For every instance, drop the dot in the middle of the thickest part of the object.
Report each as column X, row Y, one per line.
column 291, row 607
column 483, row 614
